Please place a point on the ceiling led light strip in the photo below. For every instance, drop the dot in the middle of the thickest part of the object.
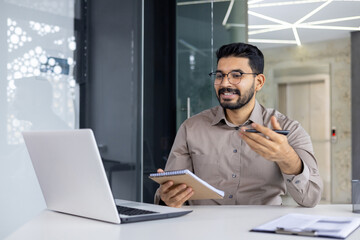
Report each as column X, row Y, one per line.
column 228, row 12
column 298, row 42
column 328, row 27
column 268, row 18
column 236, row 25
column 276, row 4
column 313, row 12
column 254, row 1
column 253, row 40
column 200, row 2
column 269, row 30
column 334, row 20
column 263, row 26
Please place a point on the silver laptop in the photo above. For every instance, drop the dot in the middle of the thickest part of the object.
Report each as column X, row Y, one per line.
column 73, row 180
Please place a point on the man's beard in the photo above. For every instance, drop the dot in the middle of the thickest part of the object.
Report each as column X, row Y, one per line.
column 242, row 101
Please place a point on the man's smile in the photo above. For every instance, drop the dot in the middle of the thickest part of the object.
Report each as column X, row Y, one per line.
column 228, row 93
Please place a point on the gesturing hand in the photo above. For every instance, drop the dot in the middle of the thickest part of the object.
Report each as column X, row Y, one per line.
column 174, row 196
column 273, row 147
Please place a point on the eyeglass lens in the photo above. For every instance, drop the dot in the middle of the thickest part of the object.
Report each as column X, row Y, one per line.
column 233, row 77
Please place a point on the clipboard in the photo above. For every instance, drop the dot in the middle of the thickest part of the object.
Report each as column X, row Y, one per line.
column 311, row 225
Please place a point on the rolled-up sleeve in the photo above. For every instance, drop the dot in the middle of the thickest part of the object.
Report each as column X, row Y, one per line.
column 306, row 187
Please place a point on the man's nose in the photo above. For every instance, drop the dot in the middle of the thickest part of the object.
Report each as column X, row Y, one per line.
column 226, row 80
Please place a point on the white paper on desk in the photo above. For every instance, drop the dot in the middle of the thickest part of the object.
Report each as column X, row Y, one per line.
column 336, row 227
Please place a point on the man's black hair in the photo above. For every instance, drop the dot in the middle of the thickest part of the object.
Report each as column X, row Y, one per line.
column 255, row 56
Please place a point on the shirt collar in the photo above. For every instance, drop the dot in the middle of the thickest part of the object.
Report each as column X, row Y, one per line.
column 255, row 116
column 220, row 115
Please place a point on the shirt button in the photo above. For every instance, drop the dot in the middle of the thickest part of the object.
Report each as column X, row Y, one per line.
column 235, row 151
column 297, row 181
column 234, row 175
column 230, row 196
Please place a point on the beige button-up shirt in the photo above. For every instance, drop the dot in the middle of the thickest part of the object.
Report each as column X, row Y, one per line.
column 211, row 147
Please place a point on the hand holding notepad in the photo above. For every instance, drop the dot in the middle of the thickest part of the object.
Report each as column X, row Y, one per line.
column 202, row 190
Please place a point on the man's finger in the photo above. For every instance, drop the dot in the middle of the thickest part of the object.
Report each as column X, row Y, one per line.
column 267, row 132
column 165, row 187
column 178, row 201
column 261, row 146
column 275, row 124
column 176, row 190
column 255, row 137
column 182, row 196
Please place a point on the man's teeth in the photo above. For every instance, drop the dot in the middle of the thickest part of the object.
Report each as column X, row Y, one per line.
column 227, row 93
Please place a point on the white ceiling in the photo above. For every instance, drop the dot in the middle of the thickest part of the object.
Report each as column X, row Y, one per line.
column 275, row 23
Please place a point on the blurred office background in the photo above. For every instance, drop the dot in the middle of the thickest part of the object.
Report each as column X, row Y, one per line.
column 134, row 70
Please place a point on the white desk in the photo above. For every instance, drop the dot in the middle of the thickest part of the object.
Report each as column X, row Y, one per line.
column 205, row 222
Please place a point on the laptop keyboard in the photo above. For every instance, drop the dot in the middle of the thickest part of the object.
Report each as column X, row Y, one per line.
column 132, row 211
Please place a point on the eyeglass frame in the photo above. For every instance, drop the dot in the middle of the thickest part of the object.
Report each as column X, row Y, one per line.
column 227, row 74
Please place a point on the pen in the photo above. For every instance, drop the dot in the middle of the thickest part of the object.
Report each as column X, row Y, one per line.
column 301, row 232
column 283, row 132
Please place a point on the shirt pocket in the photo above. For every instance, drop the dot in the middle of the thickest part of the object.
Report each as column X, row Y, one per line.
column 206, row 167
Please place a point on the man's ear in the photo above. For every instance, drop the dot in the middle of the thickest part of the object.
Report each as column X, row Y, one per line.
column 259, row 81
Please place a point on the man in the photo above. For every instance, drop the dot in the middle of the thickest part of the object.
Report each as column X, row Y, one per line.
column 251, row 168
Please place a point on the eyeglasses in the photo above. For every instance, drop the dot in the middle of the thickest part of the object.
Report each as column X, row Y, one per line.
column 234, row 77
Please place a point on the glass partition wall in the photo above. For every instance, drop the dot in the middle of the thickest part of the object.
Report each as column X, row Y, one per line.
column 201, row 28
column 40, row 71
column 38, row 91
column 180, row 40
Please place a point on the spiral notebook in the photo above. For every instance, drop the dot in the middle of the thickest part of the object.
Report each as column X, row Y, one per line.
column 202, row 190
